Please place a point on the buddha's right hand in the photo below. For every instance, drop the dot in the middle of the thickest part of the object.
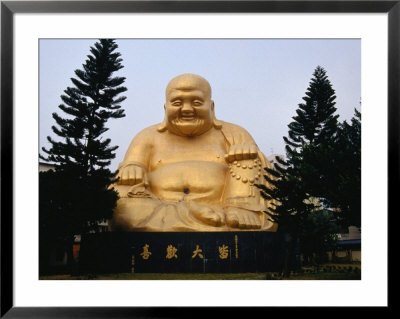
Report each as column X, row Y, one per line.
column 132, row 175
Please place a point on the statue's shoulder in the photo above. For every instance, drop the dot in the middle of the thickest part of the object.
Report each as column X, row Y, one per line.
column 147, row 134
column 235, row 134
column 232, row 127
column 150, row 129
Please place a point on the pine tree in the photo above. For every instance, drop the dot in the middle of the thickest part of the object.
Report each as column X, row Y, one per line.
column 90, row 104
column 318, row 235
column 290, row 204
column 312, row 133
column 316, row 120
column 333, row 172
column 296, row 181
column 350, row 176
column 344, row 190
column 75, row 197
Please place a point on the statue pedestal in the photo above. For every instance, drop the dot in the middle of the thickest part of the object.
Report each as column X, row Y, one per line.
column 181, row 252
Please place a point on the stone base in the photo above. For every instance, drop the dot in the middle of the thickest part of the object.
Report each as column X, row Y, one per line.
column 181, row 252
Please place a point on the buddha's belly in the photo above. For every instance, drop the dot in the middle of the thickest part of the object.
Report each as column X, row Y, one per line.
column 193, row 180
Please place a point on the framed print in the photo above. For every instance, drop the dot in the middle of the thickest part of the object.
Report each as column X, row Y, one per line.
column 39, row 33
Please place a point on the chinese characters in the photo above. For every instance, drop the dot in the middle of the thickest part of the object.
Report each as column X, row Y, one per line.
column 223, row 252
column 146, row 253
column 171, row 252
column 198, row 252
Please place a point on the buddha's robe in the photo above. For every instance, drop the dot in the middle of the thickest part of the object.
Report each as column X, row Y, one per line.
column 191, row 186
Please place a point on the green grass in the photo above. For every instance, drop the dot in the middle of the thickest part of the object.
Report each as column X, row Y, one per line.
column 156, row 276
column 323, row 272
column 326, row 276
column 329, row 271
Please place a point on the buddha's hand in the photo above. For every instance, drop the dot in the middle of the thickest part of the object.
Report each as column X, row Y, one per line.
column 241, row 218
column 238, row 152
column 132, row 175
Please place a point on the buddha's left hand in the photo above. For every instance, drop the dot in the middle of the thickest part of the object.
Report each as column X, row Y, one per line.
column 238, row 152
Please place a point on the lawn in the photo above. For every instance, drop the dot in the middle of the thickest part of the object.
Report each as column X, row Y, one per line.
column 156, row 276
column 323, row 272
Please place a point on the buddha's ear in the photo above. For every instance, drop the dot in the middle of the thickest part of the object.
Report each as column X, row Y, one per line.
column 163, row 126
column 217, row 124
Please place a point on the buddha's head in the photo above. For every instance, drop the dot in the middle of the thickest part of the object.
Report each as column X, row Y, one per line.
column 189, row 110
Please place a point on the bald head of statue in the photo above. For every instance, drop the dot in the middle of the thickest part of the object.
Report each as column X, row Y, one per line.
column 189, row 110
column 187, row 82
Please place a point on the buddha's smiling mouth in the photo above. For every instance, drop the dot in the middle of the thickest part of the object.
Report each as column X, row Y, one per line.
column 188, row 117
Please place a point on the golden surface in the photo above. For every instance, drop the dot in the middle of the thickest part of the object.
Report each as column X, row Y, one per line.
column 192, row 172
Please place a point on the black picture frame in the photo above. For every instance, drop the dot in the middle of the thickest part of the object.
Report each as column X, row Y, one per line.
column 9, row 8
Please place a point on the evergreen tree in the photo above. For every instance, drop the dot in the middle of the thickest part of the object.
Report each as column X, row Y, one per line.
column 334, row 172
column 318, row 235
column 90, row 104
column 344, row 190
column 75, row 197
column 290, row 205
column 316, row 121
column 296, row 181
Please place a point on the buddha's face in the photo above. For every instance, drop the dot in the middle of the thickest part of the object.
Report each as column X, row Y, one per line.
column 188, row 107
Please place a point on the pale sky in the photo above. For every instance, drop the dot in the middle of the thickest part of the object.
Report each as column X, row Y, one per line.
column 256, row 83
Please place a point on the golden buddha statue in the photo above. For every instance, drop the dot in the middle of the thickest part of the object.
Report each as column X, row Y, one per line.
column 192, row 172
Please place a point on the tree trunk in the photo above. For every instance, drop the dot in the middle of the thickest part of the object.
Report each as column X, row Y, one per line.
column 290, row 240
